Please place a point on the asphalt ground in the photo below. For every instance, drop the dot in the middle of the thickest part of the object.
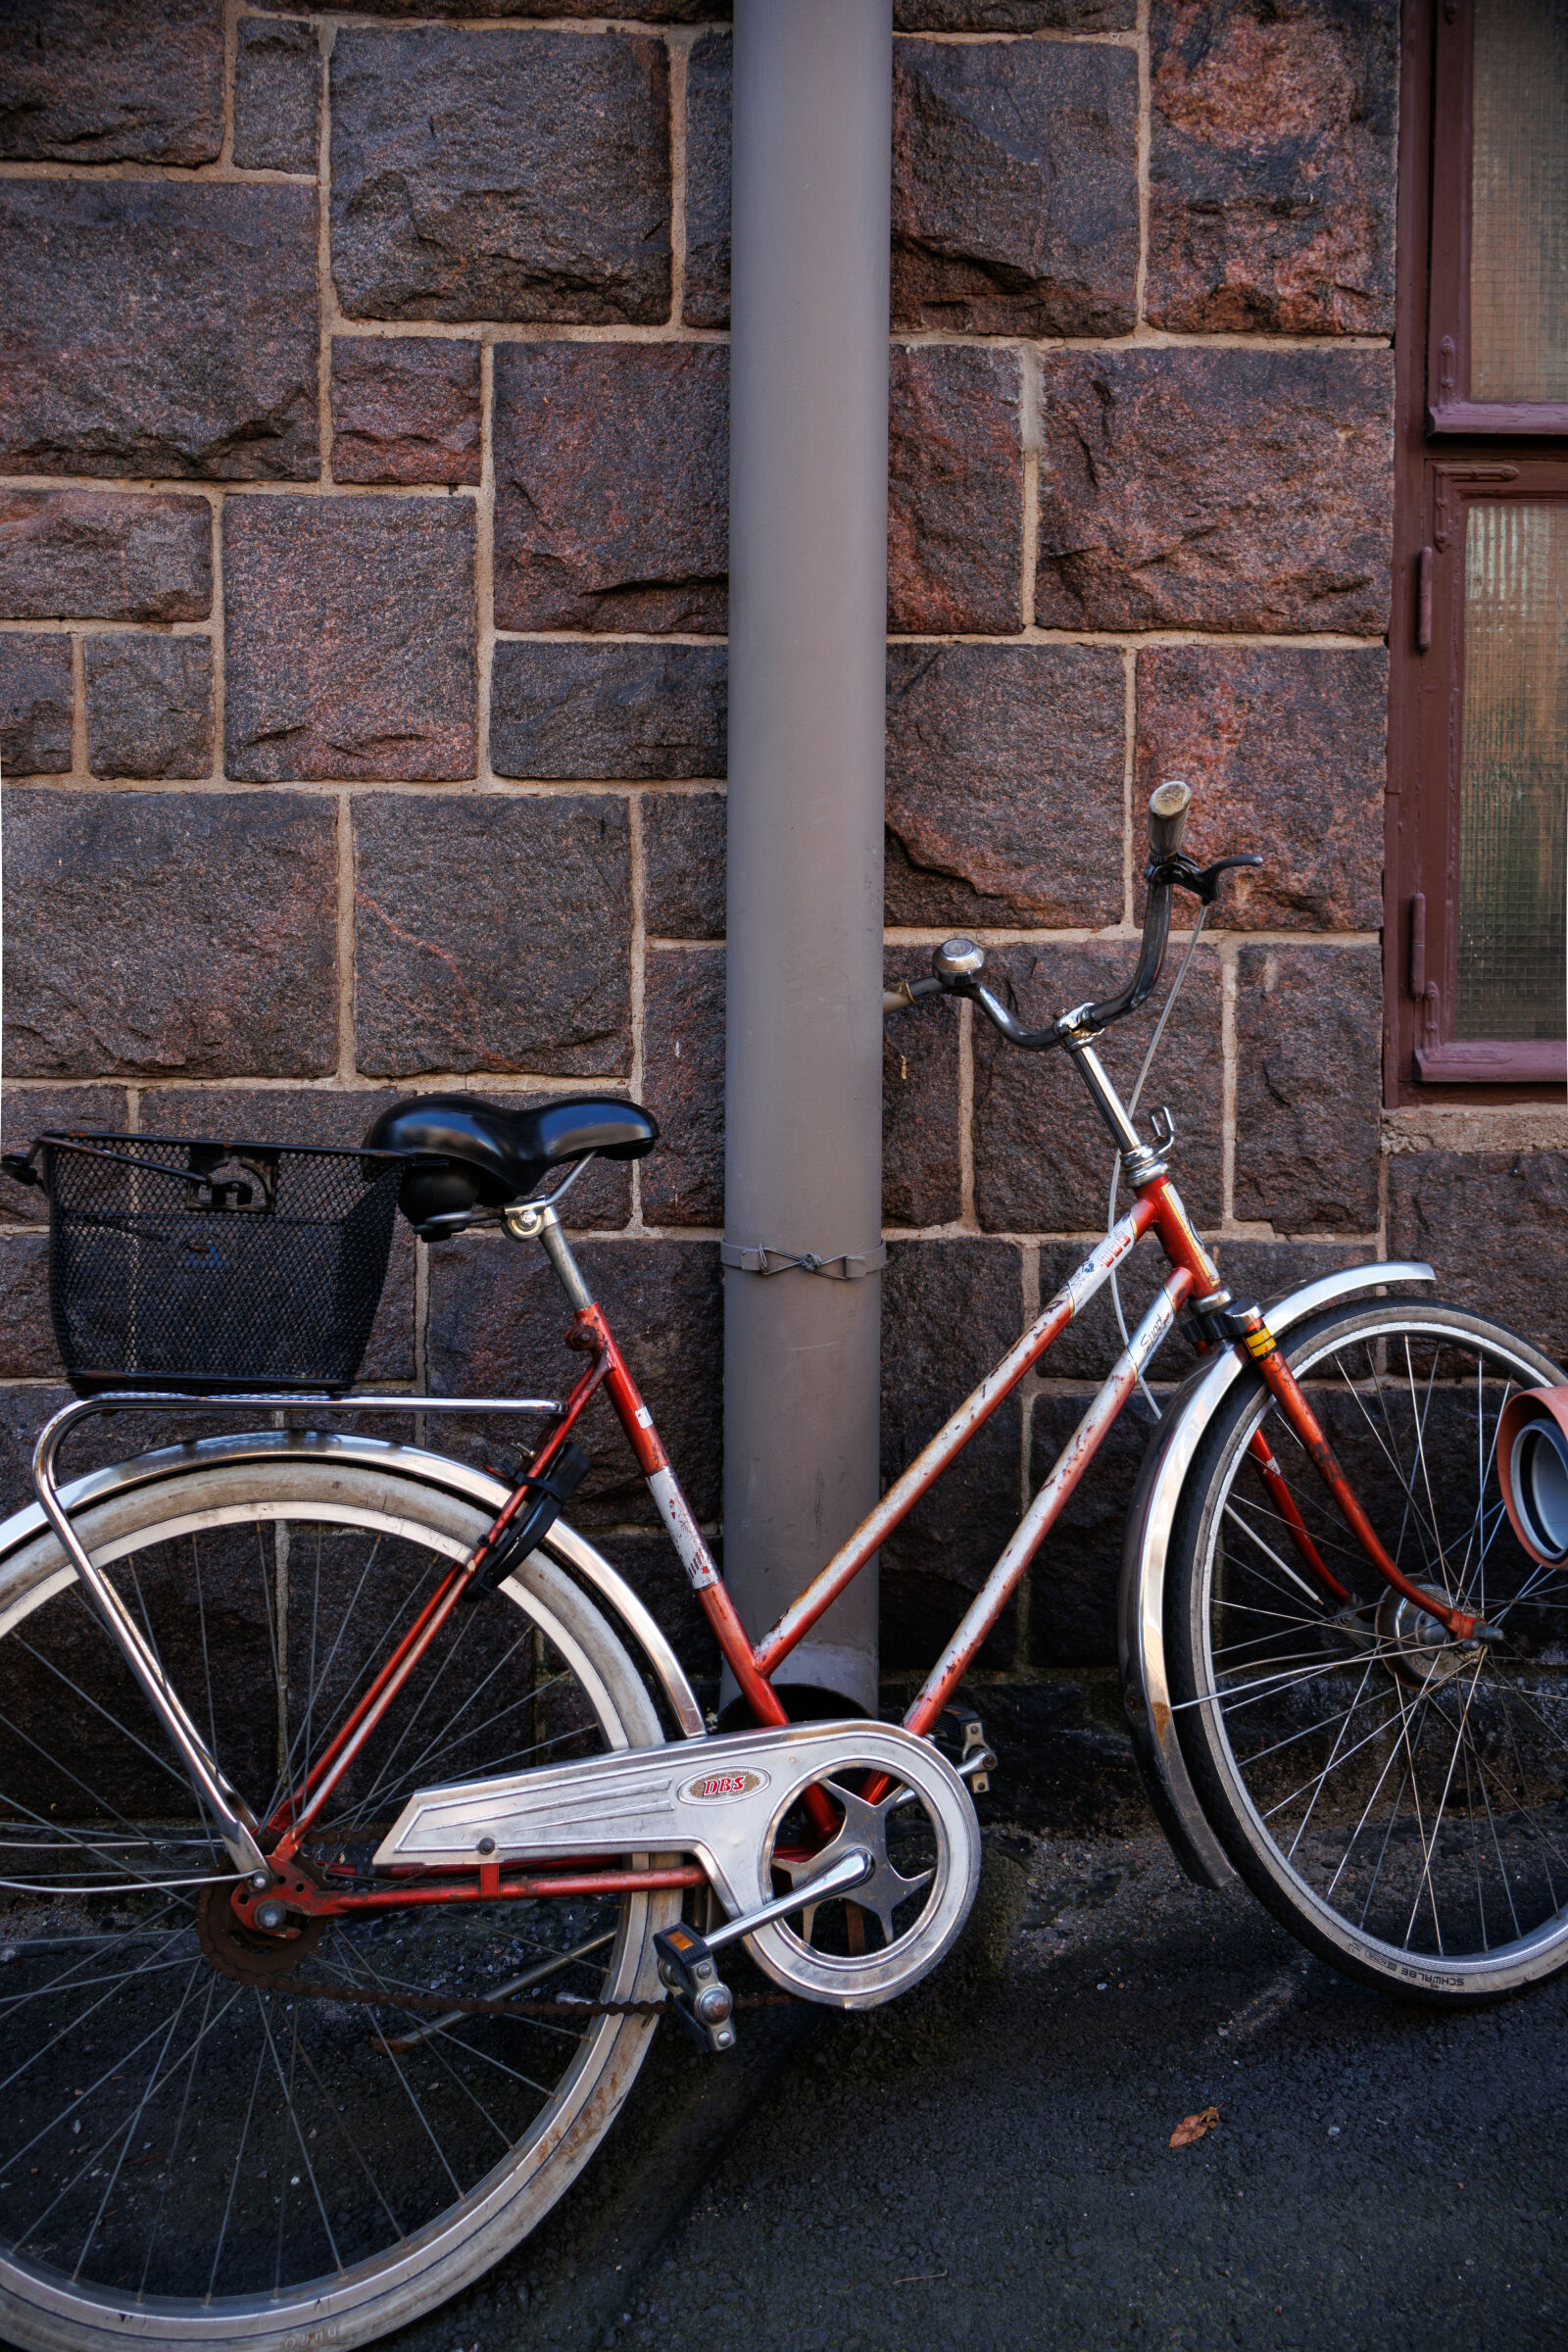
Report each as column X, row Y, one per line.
column 986, row 2163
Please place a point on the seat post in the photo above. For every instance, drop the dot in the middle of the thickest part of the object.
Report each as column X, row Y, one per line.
column 537, row 1221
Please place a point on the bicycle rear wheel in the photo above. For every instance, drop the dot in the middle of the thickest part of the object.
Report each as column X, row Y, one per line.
column 1398, row 1798
column 195, row 2158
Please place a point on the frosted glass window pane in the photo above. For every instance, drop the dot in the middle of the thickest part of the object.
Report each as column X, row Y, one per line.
column 1519, row 202
column 1513, row 883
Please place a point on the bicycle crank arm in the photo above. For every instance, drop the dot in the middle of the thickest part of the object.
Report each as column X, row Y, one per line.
column 849, row 1870
column 704, row 2002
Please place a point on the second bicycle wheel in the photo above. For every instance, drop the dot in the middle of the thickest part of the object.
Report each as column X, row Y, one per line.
column 189, row 2156
column 1399, row 1798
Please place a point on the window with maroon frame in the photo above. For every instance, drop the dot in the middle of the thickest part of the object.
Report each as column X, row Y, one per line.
column 1479, row 858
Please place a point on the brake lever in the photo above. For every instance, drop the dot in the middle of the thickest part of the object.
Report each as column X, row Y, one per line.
column 1205, row 882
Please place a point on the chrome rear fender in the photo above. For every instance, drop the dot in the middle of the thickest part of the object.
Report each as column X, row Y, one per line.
column 562, row 1543
column 1150, row 1517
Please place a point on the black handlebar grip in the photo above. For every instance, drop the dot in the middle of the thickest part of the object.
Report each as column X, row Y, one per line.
column 1168, row 805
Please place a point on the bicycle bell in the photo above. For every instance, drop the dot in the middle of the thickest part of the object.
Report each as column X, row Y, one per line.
column 958, row 959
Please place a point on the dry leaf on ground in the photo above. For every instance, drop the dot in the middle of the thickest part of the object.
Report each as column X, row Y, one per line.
column 1194, row 2126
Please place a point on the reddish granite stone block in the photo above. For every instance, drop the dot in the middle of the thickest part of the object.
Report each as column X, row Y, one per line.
column 1272, row 137
column 219, row 373
column 1285, row 751
column 530, row 180
column 1309, row 1057
column 337, row 1119
column 1014, row 16
column 653, row 12
column 277, row 96
column 36, row 702
column 651, row 1567
column 498, row 1318
column 705, row 301
column 683, row 864
column 611, row 487
column 683, row 1055
column 155, row 934
column 1495, row 1224
column 954, row 490
column 149, row 705
column 609, row 712
column 1042, row 1159
column 948, row 1311
column 491, row 934
column 351, row 638
column 1005, row 784
column 405, row 409
column 28, row 1112
column 28, row 1350
column 921, row 1170
column 93, row 554
column 1014, row 203
column 110, row 81
column 1014, row 187
column 1231, row 490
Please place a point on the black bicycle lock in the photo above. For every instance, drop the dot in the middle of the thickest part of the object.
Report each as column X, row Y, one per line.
column 551, row 1494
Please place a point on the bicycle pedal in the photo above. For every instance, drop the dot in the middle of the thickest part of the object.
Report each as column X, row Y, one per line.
column 703, row 2001
column 960, row 1735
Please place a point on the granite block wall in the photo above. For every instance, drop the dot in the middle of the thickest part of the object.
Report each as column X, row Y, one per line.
column 363, row 449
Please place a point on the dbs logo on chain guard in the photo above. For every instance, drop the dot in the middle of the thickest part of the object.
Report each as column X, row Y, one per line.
column 723, row 1787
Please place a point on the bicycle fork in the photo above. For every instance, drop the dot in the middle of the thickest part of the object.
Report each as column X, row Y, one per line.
column 1247, row 1329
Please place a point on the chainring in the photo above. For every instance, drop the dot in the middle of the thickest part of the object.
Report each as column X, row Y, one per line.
column 864, row 1979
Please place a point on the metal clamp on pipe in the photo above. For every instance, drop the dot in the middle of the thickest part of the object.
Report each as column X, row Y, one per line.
column 844, row 1266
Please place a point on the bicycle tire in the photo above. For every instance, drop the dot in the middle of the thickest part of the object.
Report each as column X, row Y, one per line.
column 1399, row 1801
column 198, row 2229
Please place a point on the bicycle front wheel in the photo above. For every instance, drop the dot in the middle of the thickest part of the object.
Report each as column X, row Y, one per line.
column 1399, row 1799
column 186, row 2155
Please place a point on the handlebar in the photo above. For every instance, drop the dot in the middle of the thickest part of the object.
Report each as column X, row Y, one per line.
column 957, row 964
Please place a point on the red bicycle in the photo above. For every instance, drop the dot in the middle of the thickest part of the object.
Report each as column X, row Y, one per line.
column 358, row 1820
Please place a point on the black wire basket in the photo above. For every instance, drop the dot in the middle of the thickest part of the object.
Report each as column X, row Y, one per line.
column 211, row 1266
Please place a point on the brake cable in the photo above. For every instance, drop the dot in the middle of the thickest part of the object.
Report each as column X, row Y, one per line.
column 1165, row 1012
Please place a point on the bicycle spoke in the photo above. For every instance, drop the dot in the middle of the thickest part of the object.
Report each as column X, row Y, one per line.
column 1428, row 1843
column 1283, row 1566
column 128, row 2129
column 164, row 1764
column 440, row 1744
column 1339, row 1753
column 178, row 2134
column 239, row 2165
column 286, row 2085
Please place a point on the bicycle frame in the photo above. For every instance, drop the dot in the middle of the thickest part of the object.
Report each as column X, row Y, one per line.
column 265, row 1852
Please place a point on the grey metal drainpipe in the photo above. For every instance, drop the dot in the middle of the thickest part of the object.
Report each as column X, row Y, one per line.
column 809, row 474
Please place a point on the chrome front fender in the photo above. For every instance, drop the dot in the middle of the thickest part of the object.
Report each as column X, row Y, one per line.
column 1150, row 1516
column 563, row 1543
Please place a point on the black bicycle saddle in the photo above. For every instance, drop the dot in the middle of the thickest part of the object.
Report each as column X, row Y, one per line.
column 478, row 1154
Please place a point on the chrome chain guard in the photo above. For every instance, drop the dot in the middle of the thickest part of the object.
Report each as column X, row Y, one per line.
column 721, row 1801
